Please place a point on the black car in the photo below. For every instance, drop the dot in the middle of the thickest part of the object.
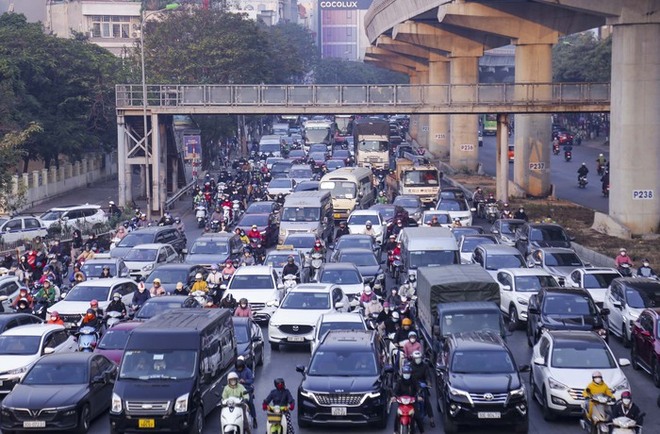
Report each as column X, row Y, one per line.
column 214, row 249
column 249, row 341
column 531, row 236
column 346, row 381
column 478, row 383
column 306, row 186
column 357, row 241
column 466, row 230
column 171, row 274
column 149, row 235
column 563, row 309
column 263, row 207
column 11, row 320
column 158, row 305
column 62, row 392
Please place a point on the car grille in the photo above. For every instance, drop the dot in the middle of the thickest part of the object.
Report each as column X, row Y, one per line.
column 23, row 414
column 147, row 407
column 71, row 318
column 576, row 394
column 489, row 398
column 348, row 399
column 257, row 306
column 296, row 329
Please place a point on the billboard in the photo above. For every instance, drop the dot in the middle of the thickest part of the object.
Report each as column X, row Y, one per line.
column 344, row 4
column 191, row 146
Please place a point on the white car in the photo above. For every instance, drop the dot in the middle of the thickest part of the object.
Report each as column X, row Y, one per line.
column 280, row 186
column 493, row 257
column 467, row 243
column 295, row 318
column 517, row 285
column 337, row 321
column 444, row 219
column 144, row 258
column 10, row 286
column 76, row 302
column 343, row 274
column 358, row 219
column 626, row 298
column 13, row 229
column 21, row 346
column 562, row 364
column 79, row 215
column 594, row 280
column 457, row 208
column 261, row 286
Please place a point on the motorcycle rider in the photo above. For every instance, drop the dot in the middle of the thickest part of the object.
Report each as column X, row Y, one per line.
column 76, row 243
column 403, row 332
column 280, row 396
column 369, row 230
column 166, row 219
column 91, row 320
column 406, row 386
column 228, row 302
column 412, row 345
column 398, row 227
column 244, row 238
column 583, row 170
column 382, row 199
column 141, row 296
column 200, row 284
column 113, row 209
column 601, row 160
column 420, row 374
column 478, row 200
column 521, row 214
column 645, row 270
column 94, row 304
column 605, row 180
column 623, row 258
column 627, row 408
column 343, row 230
column 156, row 289
column 367, row 295
column 237, row 390
column 373, row 307
column 86, row 254
column 229, row 269
column 243, row 309
column 596, row 387
column 55, row 318
column 116, row 305
column 214, row 279
column 180, row 289
column 23, row 294
column 217, row 214
column 318, row 248
column 394, row 299
column 246, row 378
column 247, row 258
column 291, row 268
column 48, row 292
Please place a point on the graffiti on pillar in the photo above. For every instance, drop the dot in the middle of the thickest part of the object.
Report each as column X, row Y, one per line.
column 537, row 166
column 467, row 147
column 440, row 136
column 425, row 128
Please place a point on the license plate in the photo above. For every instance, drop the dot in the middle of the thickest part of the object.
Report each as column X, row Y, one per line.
column 296, row 339
column 337, row 215
column 34, row 424
column 339, row 411
column 146, row 423
column 489, row 415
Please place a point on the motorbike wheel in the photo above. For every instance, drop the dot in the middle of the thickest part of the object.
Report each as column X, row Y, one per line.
column 404, row 429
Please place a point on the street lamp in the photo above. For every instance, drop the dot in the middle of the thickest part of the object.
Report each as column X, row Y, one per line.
column 146, row 14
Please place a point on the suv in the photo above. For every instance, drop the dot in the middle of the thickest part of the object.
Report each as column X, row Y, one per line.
column 346, row 381
column 10, row 287
column 21, row 228
column 261, row 286
column 74, row 215
column 645, row 351
column 493, row 257
column 625, row 299
column 531, row 236
column 478, row 383
column 563, row 309
column 149, row 235
column 213, row 249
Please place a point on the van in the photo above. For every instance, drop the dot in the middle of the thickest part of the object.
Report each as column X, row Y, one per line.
column 214, row 248
column 270, row 145
column 351, row 188
column 307, row 212
column 173, row 371
column 427, row 247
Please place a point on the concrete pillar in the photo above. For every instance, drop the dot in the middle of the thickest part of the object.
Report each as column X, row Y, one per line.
column 635, row 127
column 464, row 152
column 156, row 160
column 423, row 131
column 124, row 169
column 26, row 181
column 502, row 170
column 14, row 185
column 35, row 179
column 175, row 175
column 438, row 124
column 414, row 128
column 533, row 133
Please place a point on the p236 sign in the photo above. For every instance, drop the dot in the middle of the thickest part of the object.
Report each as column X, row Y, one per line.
column 643, row 195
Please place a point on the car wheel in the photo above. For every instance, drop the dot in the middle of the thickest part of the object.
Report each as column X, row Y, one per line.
column 624, row 337
column 523, row 427
column 633, row 358
column 530, row 342
column 449, row 425
column 656, row 373
column 514, row 321
column 274, row 346
column 303, row 423
column 261, row 359
column 532, row 385
column 548, row 415
column 198, row 426
column 85, row 420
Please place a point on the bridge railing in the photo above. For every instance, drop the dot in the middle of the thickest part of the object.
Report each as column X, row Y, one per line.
column 167, row 95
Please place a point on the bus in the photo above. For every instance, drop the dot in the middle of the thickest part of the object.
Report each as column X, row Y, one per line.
column 489, row 124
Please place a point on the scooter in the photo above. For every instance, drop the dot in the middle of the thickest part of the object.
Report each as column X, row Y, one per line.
column 317, row 261
column 625, row 425
column 88, row 337
column 568, row 156
column 275, row 419
column 405, row 413
column 231, row 415
column 600, row 419
column 40, row 307
column 555, row 149
column 200, row 215
column 200, row 297
column 113, row 318
column 492, row 212
column 625, row 270
column 290, row 282
column 582, row 182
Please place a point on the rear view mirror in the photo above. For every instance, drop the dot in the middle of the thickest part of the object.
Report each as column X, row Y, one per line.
column 617, row 304
column 533, row 310
column 339, row 305
column 539, row 361
column 624, row 362
column 49, row 350
column 184, row 251
column 506, row 287
column 525, row 368
column 300, row 368
column 605, row 311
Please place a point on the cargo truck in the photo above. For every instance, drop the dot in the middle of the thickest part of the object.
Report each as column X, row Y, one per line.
column 372, row 146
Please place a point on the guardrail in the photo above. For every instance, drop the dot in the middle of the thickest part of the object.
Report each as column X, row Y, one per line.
column 170, row 202
column 394, row 95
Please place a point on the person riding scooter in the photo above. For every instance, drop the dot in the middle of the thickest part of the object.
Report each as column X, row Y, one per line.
column 281, row 396
column 627, row 408
column 596, row 387
column 406, row 386
column 236, row 390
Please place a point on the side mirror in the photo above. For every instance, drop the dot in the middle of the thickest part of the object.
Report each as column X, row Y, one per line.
column 561, row 281
column 272, row 303
column 617, row 304
column 184, row 251
column 604, row 311
column 3, row 298
column 388, row 369
column 436, row 331
column 624, row 362
column 49, row 350
column 331, row 246
column 525, row 368
column 571, row 238
column 506, row 287
column 223, row 286
column 494, row 231
column 523, row 238
column 533, row 310
column 99, row 379
column 300, row 368
column 473, row 209
column 280, row 286
column 256, row 338
column 339, row 305
column 540, row 361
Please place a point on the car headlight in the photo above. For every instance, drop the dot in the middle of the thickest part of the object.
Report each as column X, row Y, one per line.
column 307, row 394
column 459, row 392
column 282, row 231
column 18, row 371
column 181, row 404
column 380, row 276
column 517, row 392
column 556, row 385
column 148, row 267
column 522, row 301
column 622, row 386
column 115, row 407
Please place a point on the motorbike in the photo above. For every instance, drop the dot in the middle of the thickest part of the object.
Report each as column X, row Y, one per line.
column 600, row 415
column 113, row 318
column 395, row 265
column 568, row 156
column 200, row 297
column 215, row 226
column 492, row 212
column 88, row 337
column 317, row 261
column 582, row 182
column 201, row 215
column 276, row 422
column 625, row 425
column 236, row 208
column 290, row 282
column 40, row 307
column 606, row 190
column 231, row 415
column 227, row 214
column 372, row 321
column 600, row 169
column 625, row 270
column 555, row 149
column 405, row 413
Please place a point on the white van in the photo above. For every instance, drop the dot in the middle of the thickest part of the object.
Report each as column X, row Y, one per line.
column 351, row 188
column 427, row 247
column 307, row 212
column 270, row 145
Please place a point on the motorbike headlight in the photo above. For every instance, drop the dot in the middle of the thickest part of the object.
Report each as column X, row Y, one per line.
column 522, row 301
column 556, row 385
column 148, row 267
column 380, row 276
column 181, row 404
column 116, row 406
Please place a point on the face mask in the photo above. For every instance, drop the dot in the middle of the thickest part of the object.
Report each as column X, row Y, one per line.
column 406, row 376
column 412, row 340
column 598, row 380
column 117, row 298
column 623, row 253
column 646, row 264
column 626, row 401
column 243, row 305
column 418, row 361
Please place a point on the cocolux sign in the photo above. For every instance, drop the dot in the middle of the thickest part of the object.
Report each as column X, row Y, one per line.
column 345, row 4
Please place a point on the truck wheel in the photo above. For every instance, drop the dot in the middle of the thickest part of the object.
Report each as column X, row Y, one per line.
column 198, row 426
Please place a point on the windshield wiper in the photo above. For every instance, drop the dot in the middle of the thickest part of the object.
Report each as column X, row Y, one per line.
column 134, row 377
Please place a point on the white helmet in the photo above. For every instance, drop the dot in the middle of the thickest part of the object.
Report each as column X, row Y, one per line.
column 232, row 376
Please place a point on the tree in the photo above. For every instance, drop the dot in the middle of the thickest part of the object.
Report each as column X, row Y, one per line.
column 11, row 145
column 582, row 57
column 329, row 71
column 292, row 52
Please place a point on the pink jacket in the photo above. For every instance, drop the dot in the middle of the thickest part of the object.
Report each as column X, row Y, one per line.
column 243, row 312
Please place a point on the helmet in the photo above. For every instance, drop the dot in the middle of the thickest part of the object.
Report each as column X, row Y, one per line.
column 232, row 376
column 289, row 259
column 596, row 374
column 54, row 314
column 214, row 268
column 406, row 322
column 116, row 295
column 368, row 223
column 90, row 314
column 94, row 303
column 367, row 289
column 386, row 304
column 240, row 362
column 342, row 223
column 254, row 226
column 601, row 155
column 179, row 285
column 156, row 281
column 279, row 383
column 198, row 276
column 412, row 334
column 395, row 316
column 416, row 355
column 584, row 164
column 406, row 371
column 626, row 393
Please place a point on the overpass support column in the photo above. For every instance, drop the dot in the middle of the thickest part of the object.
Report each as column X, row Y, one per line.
column 423, row 128
column 438, row 124
column 635, row 127
column 464, row 153
column 533, row 132
column 414, row 127
column 124, row 172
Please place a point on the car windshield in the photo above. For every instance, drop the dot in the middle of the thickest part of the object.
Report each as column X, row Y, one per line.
column 81, row 292
column 509, row 228
column 470, row 321
column 362, row 219
column 277, row 260
column 299, row 242
column 296, row 153
column 421, row 178
column 260, row 208
column 347, row 242
column 534, row 283
column 482, row 362
column 168, row 276
column 343, row 325
column 339, row 189
column 19, row 345
column 241, row 334
column 280, row 183
column 406, row 202
column 373, row 146
column 141, row 255
column 359, row 259
column 582, row 355
column 471, row 243
column 431, row 258
column 451, row 194
column 603, row 280
column 248, row 281
column 167, row 364
column 317, row 147
column 562, row 260
column 151, row 309
column 495, row 262
column 568, row 305
column 209, row 248
column 114, row 339
column 338, row 277
column 441, row 217
column 299, row 214
column 51, row 215
column 307, row 186
column 341, row 153
column 301, row 173
column 47, row 373
column 452, row 205
column 317, row 135
column 281, row 167
column 343, row 364
column 254, row 219
column 135, row 238
column 643, row 295
column 94, row 269
column 335, row 164
column 548, row 234
column 306, row 300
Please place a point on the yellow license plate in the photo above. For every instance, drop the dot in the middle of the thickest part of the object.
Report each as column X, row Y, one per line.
column 337, row 216
column 146, row 423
